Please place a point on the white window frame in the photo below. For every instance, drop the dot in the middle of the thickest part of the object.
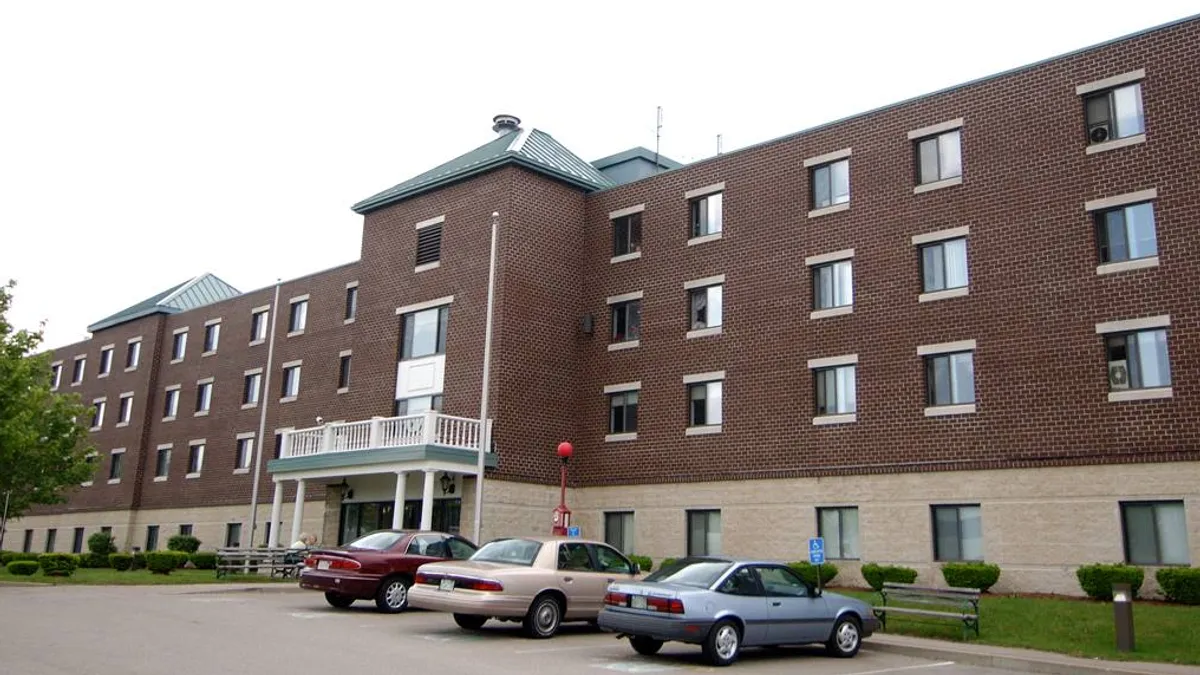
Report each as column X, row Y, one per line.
column 612, row 217
column 258, row 388
column 265, row 310
column 215, row 326
column 204, row 392
column 303, row 315
column 837, row 551
column 621, row 300
column 824, row 363
column 111, row 455
column 820, row 161
column 717, row 281
column 917, row 136
column 942, row 348
column 1084, row 91
column 813, row 262
column 354, row 316
column 81, row 368
column 291, row 389
column 106, row 358
column 172, row 394
column 716, row 377
column 341, row 355
column 134, row 346
column 102, row 401
column 201, row 443
column 622, row 388
column 237, row 449
column 1149, row 323
column 183, row 344
column 125, row 414
column 56, row 370
column 170, row 447
column 920, row 241
column 700, row 194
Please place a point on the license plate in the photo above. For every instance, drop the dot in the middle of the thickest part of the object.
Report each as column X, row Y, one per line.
column 323, row 564
column 637, row 601
column 446, row 585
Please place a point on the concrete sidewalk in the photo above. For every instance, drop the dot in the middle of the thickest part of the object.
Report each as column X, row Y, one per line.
column 1023, row 660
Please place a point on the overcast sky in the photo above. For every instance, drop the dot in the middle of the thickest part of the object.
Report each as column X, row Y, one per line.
column 143, row 143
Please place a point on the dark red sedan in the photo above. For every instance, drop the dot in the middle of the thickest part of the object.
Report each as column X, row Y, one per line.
column 380, row 566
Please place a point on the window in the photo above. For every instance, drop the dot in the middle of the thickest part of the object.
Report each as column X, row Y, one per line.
column 133, row 354
column 179, row 345
column 105, row 361
column 831, row 184
column 626, row 321
column 351, row 303
column 704, row 532
column 1115, row 113
column 423, row 333
column 957, row 533
column 55, row 375
column 212, row 335
column 291, row 381
column 204, row 389
column 610, row 561
column 195, row 459
column 743, row 581
column 98, row 413
column 833, row 285
column 77, row 373
column 171, row 404
column 944, row 265
column 77, row 541
column 707, row 215
column 939, row 157
column 835, row 390
column 618, row 531
column 51, row 535
column 185, row 530
column 1138, row 360
column 418, row 405
column 278, row 444
column 114, row 465
column 251, row 387
column 627, row 234
column 839, row 528
column 298, row 317
column 125, row 413
column 429, row 244
column 1155, row 533
column 245, row 452
column 151, row 537
column 781, row 582
column 704, row 403
column 258, row 325
column 233, row 535
column 163, row 464
column 1126, row 233
column 950, row 378
column 572, row 556
column 622, row 418
column 344, row 372
column 705, row 307
column 27, row 545
column 106, row 530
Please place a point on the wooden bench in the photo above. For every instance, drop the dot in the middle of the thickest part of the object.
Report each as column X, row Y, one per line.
column 961, row 604
column 282, row 562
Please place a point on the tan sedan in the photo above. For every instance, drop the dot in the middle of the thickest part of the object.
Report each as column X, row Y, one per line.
column 538, row 581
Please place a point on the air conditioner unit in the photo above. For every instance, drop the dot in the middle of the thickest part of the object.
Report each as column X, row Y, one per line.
column 587, row 323
column 1118, row 375
column 1099, row 133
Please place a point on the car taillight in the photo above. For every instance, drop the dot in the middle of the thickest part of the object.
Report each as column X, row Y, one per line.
column 668, row 605
column 423, row 578
column 343, row 564
column 615, row 599
column 310, row 561
column 478, row 584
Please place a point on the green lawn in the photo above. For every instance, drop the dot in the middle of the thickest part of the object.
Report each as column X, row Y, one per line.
column 1165, row 633
column 111, row 577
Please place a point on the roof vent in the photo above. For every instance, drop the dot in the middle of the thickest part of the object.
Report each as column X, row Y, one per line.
column 506, row 124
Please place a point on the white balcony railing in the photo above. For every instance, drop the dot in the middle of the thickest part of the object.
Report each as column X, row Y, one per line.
column 429, row 428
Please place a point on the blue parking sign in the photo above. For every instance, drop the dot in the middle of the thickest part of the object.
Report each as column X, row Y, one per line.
column 816, row 550
column 573, row 531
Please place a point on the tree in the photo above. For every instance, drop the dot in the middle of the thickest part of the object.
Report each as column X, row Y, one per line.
column 43, row 441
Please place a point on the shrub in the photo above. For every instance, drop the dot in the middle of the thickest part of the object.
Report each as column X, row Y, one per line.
column 13, row 556
column 666, row 562
column 93, row 560
column 161, row 562
column 58, row 564
column 808, row 571
column 181, row 558
column 139, row 561
column 6, row 557
column 102, row 543
column 979, row 575
column 22, row 568
column 1180, row 584
column 183, row 542
column 643, row 562
column 204, row 560
column 877, row 575
column 1097, row 580
column 120, row 561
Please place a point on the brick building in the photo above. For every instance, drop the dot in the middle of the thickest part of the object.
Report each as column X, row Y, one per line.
column 962, row 326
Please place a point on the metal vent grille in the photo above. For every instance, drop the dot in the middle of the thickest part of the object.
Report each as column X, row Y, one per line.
column 429, row 244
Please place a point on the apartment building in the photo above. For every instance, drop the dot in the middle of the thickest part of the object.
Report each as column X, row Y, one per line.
column 959, row 327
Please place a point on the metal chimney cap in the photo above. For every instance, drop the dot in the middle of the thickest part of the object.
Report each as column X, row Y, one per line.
column 506, row 124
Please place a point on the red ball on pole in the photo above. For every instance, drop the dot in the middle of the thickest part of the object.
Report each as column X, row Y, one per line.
column 565, row 449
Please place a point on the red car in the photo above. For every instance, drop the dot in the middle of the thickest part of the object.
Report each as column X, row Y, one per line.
column 380, row 566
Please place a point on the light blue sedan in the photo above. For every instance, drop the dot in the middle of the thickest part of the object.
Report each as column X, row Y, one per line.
column 725, row 604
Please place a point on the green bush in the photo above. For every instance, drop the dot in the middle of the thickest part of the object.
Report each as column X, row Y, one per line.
column 5, row 557
column 22, row 568
column 102, row 543
column 161, row 562
column 58, row 564
column 120, row 561
column 979, row 575
column 204, row 560
column 808, row 571
column 1180, row 584
column 139, row 561
column 14, row 556
column 93, row 560
column 877, row 575
column 666, row 562
column 181, row 558
column 183, row 542
column 643, row 562
column 1097, row 580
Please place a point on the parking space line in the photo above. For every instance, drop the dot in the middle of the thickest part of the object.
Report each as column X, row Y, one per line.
column 897, row 669
column 547, row 650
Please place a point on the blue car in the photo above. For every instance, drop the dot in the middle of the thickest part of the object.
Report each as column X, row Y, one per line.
column 725, row 604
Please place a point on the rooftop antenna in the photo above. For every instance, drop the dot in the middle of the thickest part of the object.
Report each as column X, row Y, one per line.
column 657, row 137
column 718, row 144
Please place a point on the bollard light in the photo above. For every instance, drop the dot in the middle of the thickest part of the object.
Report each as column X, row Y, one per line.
column 1123, row 616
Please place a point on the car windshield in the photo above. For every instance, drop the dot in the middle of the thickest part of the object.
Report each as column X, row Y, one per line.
column 512, row 551
column 377, row 541
column 689, row 572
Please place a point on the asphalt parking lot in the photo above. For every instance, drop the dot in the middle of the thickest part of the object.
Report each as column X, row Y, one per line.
column 68, row 630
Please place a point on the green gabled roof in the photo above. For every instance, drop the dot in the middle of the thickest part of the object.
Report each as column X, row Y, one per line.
column 203, row 290
column 533, row 149
column 636, row 153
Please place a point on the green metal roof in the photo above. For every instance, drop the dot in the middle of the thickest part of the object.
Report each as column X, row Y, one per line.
column 636, row 153
column 198, row 292
column 534, row 149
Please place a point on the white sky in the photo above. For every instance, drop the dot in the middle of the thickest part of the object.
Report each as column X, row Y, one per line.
column 143, row 143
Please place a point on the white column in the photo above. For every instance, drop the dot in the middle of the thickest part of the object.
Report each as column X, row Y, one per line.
column 276, row 512
column 297, row 511
column 398, row 508
column 430, row 430
column 427, row 502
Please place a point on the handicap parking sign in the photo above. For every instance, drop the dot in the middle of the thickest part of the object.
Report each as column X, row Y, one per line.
column 816, row 550
column 573, row 531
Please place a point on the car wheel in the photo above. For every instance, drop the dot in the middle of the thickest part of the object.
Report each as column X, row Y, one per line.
column 544, row 617
column 645, row 646
column 845, row 639
column 392, row 595
column 338, row 600
column 470, row 621
column 722, row 644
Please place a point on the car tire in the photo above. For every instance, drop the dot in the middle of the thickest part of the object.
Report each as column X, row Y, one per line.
column 645, row 646
column 470, row 621
column 392, row 595
column 845, row 639
column 338, row 600
column 723, row 643
column 544, row 617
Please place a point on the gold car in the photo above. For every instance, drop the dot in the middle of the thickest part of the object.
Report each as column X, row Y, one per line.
column 538, row 581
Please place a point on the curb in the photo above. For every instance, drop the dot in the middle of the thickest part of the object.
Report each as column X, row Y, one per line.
column 1050, row 665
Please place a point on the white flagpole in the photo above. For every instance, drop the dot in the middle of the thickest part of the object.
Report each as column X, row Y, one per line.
column 263, row 396
column 486, row 441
